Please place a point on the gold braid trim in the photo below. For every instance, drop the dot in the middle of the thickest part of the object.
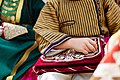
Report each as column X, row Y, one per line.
column 18, row 14
column 0, row 2
column 22, row 60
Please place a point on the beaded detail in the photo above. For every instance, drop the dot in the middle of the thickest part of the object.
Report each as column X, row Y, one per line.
column 8, row 10
column 12, row 30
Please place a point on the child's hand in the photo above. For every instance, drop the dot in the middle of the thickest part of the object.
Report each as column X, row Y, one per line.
column 83, row 45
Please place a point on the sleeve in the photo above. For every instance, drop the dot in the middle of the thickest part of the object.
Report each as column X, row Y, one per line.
column 47, row 28
column 112, row 12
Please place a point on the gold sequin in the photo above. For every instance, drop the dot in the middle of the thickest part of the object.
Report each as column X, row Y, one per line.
column 8, row 18
column 12, row 18
column 15, row 0
column 6, row 2
column 2, row 11
column 7, row 8
column 5, row 12
column 14, row 4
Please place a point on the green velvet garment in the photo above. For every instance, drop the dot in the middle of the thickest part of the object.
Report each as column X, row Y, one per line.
column 12, row 50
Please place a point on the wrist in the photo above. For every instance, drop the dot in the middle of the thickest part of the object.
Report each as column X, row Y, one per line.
column 69, row 43
column 64, row 45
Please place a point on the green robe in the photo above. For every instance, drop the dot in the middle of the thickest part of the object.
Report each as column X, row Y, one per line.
column 12, row 50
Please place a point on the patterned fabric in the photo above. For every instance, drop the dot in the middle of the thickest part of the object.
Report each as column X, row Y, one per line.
column 65, row 55
column 63, row 67
column 61, row 19
column 9, row 10
column 109, row 68
column 72, row 62
column 12, row 30
column 11, row 51
column 118, row 2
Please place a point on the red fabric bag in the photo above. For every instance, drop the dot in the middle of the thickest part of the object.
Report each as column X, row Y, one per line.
column 64, row 64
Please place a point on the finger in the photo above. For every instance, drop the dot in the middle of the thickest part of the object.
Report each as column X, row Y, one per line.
column 93, row 43
column 91, row 47
column 84, row 51
column 86, row 47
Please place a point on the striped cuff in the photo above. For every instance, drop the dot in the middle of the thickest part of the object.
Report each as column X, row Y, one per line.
column 51, row 46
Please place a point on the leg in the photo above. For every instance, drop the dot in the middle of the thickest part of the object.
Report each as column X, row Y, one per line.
column 54, row 76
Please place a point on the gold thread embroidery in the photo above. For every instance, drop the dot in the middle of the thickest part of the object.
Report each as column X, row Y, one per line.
column 0, row 2
column 22, row 60
column 18, row 14
column 7, row 8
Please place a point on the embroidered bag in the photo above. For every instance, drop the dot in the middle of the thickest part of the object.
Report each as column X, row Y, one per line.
column 69, row 61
